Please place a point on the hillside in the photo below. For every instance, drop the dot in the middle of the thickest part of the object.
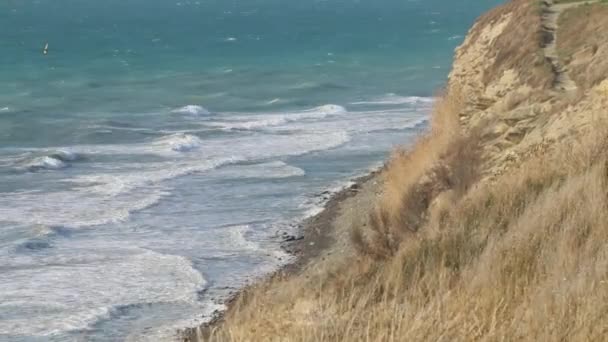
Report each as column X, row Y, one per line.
column 492, row 226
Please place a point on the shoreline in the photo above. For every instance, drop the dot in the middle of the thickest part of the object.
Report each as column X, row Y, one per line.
column 467, row 223
column 316, row 239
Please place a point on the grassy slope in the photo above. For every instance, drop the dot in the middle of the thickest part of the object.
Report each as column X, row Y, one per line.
column 456, row 250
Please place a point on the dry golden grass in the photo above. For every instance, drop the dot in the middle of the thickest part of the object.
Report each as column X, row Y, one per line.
column 443, row 161
column 524, row 257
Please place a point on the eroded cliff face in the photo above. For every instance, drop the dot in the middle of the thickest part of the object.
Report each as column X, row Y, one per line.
column 511, row 87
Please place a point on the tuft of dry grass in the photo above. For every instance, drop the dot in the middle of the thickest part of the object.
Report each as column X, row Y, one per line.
column 445, row 161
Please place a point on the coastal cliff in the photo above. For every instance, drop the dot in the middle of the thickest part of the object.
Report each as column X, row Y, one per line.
column 492, row 226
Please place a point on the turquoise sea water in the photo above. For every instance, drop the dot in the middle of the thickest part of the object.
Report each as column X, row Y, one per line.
column 151, row 160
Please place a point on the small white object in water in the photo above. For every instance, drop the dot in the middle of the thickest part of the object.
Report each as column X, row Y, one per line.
column 5, row 109
column 231, row 39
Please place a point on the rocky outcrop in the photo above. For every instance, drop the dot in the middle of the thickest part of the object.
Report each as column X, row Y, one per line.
column 519, row 114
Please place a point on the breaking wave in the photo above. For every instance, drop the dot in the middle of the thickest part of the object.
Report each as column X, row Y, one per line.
column 250, row 122
column 180, row 142
column 394, row 99
column 53, row 161
column 191, row 110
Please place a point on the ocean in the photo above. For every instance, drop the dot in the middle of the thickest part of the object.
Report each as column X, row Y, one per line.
column 151, row 160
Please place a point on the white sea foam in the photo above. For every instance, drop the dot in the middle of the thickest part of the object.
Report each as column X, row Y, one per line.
column 361, row 122
column 70, row 294
column 329, row 109
column 268, row 146
column 276, row 169
column 45, row 163
column 191, row 110
column 257, row 121
column 394, row 99
column 315, row 205
column 111, row 128
column 237, row 237
column 88, row 206
column 245, row 240
column 260, row 122
column 111, row 197
column 4, row 109
column 51, row 160
column 180, row 142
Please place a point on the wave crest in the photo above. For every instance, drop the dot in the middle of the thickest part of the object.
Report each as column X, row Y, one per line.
column 66, row 156
column 329, row 109
column 191, row 110
column 53, row 161
column 394, row 99
column 46, row 163
column 181, row 142
column 250, row 122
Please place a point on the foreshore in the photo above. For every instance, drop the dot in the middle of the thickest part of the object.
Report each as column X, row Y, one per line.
column 322, row 239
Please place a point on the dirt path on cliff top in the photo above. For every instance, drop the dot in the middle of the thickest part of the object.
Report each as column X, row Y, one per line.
column 550, row 24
